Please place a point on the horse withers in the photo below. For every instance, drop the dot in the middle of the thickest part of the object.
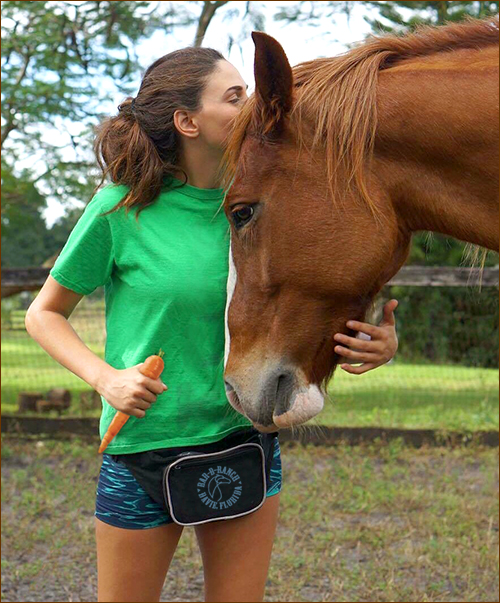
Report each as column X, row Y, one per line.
column 334, row 165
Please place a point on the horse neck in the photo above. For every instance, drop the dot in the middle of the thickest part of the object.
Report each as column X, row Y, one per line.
column 436, row 150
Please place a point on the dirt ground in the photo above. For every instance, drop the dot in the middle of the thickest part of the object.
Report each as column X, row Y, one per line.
column 365, row 523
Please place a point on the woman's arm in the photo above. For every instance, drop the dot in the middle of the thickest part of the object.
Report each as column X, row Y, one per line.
column 372, row 353
column 47, row 323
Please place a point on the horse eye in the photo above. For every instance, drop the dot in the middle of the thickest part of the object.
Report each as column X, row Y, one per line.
column 242, row 216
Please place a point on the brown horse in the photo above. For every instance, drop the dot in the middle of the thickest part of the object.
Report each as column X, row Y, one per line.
column 334, row 165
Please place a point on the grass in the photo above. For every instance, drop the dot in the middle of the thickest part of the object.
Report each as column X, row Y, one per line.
column 368, row 523
column 415, row 396
column 396, row 395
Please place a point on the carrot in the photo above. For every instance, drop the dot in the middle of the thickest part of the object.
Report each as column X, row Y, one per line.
column 152, row 367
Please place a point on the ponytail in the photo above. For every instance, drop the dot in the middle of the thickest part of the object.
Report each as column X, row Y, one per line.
column 139, row 146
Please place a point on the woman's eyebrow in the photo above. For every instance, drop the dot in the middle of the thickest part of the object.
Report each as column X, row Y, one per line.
column 236, row 89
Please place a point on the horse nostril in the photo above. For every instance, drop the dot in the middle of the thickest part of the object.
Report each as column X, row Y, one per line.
column 282, row 381
column 284, row 388
column 229, row 387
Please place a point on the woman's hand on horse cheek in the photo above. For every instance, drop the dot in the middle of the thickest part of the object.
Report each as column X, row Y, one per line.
column 383, row 342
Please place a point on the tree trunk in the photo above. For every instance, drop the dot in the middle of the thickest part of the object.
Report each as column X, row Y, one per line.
column 206, row 17
column 10, row 123
column 442, row 12
column 8, row 127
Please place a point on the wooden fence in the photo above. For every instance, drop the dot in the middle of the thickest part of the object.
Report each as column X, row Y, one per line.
column 15, row 280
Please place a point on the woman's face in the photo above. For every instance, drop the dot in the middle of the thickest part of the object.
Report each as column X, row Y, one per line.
column 222, row 99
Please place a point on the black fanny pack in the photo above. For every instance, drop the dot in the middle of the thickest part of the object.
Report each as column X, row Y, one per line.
column 210, row 482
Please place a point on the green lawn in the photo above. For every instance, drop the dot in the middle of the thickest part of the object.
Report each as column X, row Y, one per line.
column 397, row 395
column 414, row 396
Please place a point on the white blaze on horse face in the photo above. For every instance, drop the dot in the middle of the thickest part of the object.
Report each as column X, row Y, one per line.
column 231, row 284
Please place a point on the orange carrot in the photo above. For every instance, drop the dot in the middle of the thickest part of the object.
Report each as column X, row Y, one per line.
column 152, row 367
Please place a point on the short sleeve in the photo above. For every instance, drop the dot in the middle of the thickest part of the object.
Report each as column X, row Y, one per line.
column 86, row 260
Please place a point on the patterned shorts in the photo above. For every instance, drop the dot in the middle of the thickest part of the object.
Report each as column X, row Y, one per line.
column 122, row 502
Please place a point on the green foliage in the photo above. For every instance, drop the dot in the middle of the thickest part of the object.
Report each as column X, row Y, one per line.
column 400, row 16
column 60, row 62
column 26, row 240
column 448, row 325
column 387, row 16
column 53, row 53
column 23, row 226
column 311, row 12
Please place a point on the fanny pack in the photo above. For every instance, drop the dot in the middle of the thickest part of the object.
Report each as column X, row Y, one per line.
column 210, row 482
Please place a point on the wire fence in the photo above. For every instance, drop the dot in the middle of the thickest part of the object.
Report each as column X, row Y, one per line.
column 411, row 391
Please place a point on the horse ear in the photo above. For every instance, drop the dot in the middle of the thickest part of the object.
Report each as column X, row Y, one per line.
column 273, row 82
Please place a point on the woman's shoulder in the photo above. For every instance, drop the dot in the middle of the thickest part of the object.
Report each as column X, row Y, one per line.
column 107, row 197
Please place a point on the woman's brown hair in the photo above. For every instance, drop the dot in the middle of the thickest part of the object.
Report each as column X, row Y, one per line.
column 139, row 146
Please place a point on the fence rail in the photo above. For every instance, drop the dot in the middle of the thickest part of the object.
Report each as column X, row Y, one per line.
column 15, row 280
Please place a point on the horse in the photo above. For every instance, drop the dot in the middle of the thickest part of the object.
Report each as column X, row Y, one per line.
column 332, row 166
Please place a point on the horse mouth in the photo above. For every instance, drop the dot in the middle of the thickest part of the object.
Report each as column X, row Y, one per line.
column 233, row 399
column 306, row 403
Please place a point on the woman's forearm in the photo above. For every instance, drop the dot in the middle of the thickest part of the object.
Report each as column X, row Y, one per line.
column 57, row 337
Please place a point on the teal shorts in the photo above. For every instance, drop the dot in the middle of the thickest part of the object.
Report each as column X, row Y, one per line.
column 122, row 502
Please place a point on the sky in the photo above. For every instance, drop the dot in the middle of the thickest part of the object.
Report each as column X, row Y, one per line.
column 301, row 42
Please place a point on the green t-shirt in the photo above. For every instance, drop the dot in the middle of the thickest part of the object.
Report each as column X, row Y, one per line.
column 165, row 287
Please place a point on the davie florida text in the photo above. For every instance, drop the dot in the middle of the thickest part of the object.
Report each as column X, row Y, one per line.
column 228, row 473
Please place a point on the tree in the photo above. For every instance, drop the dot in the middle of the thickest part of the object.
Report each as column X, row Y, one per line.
column 60, row 62
column 23, row 226
column 391, row 16
column 207, row 14
column 314, row 13
column 400, row 16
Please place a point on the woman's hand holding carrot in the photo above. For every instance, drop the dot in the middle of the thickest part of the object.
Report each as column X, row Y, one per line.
column 132, row 391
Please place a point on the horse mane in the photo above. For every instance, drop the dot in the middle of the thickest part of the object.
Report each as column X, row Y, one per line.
column 339, row 95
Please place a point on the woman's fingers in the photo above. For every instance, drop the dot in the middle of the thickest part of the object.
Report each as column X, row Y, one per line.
column 359, row 344
column 154, row 385
column 358, row 370
column 142, row 405
column 389, row 308
column 353, row 355
column 365, row 327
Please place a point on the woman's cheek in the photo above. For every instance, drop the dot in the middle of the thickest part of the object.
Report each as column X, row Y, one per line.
column 225, row 121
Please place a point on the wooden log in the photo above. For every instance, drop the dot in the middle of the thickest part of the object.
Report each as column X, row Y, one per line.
column 59, row 397
column 26, row 401
column 49, row 426
column 46, row 406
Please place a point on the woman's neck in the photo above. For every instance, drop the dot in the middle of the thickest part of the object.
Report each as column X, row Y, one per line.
column 201, row 166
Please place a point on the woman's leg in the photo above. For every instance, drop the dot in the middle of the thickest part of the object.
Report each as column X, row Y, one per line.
column 132, row 564
column 136, row 538
column 236, row 554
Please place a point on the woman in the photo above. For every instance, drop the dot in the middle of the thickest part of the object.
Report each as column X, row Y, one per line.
column 157, row 242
